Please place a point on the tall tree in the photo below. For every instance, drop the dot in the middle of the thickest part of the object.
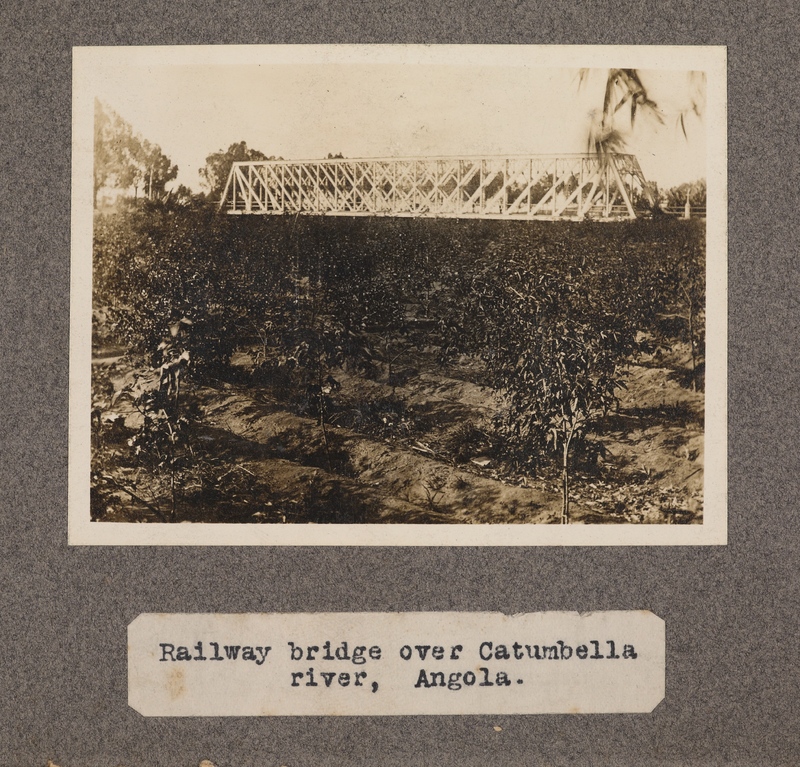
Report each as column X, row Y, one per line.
column 110, row 141
column 124, row 160
column 218, row 166
column 157, row 170
column 694, row 193
column 626, row 97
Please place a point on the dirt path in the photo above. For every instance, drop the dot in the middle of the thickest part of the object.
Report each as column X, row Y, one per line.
column 410, row 486
column 416, row 448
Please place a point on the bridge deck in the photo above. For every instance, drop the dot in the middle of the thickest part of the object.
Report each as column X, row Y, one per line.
column 529, row 187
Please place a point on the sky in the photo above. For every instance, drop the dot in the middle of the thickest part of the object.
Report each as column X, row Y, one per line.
column 305, row 106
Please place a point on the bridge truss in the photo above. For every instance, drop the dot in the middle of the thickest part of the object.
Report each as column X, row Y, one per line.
column 530, row 187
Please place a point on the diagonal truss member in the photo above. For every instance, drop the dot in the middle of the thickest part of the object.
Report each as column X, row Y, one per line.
column 531, row 187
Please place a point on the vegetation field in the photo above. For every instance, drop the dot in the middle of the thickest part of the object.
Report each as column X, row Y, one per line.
column 393, row 370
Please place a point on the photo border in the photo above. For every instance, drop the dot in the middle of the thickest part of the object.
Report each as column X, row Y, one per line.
column 91, row 62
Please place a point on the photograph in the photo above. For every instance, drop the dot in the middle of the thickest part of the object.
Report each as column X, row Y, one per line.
column 399, row 385
column 411, row 295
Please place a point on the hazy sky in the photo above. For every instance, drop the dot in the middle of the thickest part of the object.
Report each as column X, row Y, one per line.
column 369, row 108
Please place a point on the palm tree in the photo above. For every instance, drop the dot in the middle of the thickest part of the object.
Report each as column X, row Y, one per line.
column 626, row 95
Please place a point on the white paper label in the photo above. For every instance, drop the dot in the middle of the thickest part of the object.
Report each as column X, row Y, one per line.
column 378, row 664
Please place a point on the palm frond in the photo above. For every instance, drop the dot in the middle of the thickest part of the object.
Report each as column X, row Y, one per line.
column 626, row 94
column 682, row 124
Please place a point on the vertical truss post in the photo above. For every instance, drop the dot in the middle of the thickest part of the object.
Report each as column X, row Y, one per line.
column 622, row 191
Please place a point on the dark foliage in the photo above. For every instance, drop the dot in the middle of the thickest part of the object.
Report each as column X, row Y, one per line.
column 553, row 310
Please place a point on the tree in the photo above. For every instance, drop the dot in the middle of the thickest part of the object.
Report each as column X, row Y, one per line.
column 124, row 160
column 553, row 345
column 157, row 170
column 309, row 340
column 111, row 141
column 627, row 96
column 624, row 88
column 694, row 193
column 556, row 320
column 214, row 175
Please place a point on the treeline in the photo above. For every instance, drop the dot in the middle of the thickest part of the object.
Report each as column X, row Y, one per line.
column 124, row 160
column 127, row 162
column 134, row 167
column 694, row 193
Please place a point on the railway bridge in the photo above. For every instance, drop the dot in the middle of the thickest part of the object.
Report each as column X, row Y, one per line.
column 550, row 187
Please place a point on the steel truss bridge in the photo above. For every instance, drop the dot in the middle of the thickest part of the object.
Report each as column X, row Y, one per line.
column 546, row 187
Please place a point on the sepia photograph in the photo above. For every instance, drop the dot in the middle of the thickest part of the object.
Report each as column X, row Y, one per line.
column 417, row 295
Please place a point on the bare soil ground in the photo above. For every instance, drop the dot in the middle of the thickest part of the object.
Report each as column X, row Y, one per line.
column 410, row 446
